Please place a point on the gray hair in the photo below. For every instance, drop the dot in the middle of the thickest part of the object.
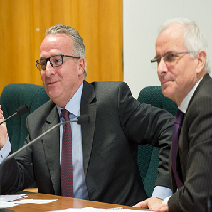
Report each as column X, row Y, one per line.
column 194, row 39
column 78, row 45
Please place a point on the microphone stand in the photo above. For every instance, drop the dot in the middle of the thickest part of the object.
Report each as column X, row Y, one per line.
column 8, row 118
column 37, row 138
column 12, row 155
column 19, row 112
column 80, row 120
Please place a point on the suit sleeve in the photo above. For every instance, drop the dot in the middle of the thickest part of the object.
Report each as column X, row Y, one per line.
column 145, row 124
column 16, row 172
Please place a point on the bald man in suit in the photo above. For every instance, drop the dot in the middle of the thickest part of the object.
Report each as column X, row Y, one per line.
column 183, row 72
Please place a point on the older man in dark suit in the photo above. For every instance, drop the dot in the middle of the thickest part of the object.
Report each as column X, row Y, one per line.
column 99, row 161
column 182, row 70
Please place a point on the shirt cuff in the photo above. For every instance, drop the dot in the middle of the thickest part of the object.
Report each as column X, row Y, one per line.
column 5, row 150
column 165, row 201
column 161, row 192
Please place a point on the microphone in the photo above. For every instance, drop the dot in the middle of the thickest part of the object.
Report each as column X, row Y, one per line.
column 84, row 119
column 19, row 112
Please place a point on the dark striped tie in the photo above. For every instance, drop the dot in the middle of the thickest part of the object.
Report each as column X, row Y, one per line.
column 176, row 130
column 66, row 159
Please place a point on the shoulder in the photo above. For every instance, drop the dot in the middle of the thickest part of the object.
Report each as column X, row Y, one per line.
column 109, row 86
column 42, row 111
column 200, row 105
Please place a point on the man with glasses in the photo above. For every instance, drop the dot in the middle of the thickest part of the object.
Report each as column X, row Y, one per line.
column 182, row 67
column 95, row 160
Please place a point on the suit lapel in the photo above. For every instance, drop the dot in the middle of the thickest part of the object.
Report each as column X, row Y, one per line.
column 51, row 146
column 88, row 106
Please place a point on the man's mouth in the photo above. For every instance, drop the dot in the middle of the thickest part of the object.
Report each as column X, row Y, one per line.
column 165, row 81
column 52, row 83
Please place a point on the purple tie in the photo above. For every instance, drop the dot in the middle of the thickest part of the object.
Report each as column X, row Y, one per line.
column 176, row 130
column 66, row 159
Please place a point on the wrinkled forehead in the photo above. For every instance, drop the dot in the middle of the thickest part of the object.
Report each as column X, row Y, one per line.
column 170, row 39
column 60, row 43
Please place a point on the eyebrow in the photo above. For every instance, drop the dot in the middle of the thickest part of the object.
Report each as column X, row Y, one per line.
column 49, row 57
column 169, row 52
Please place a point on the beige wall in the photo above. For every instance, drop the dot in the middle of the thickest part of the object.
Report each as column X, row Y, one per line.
column 141, row 20
column 23, row 24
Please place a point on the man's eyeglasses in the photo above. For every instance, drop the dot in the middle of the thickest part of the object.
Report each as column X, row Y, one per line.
column 168, row 58
column 55, row 61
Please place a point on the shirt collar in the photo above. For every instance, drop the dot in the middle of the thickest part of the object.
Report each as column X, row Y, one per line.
column 184, row 105
column 73, row 106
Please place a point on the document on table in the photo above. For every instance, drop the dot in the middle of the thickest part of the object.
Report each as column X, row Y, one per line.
column 91, row 209
column 35, row 201
column 10, row 198
column 7, row 200
column 16, row 199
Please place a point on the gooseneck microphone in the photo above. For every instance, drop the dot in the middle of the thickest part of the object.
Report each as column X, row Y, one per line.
column 19, row 112
column 84, row 119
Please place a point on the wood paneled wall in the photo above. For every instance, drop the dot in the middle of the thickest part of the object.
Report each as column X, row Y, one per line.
column 23, row 24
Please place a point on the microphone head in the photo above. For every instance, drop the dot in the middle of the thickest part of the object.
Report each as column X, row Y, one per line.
column 22, row 110
column 84, row 119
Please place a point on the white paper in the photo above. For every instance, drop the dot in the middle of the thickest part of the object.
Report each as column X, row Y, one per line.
column 4, row 204
column 91, row 209
column 13, row 200
column 10, row 198
column 35, row 201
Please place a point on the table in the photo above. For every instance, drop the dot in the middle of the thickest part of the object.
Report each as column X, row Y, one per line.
column 62, row 203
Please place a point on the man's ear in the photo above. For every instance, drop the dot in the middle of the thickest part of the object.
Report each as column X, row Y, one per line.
column 81, row 65
column 201, row 60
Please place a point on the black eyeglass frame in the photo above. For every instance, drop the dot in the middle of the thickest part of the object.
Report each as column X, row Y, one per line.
column 48, row 59
column 156, row 59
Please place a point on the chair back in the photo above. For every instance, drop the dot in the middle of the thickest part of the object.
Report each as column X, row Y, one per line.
column 147, row 158
column 12, row 97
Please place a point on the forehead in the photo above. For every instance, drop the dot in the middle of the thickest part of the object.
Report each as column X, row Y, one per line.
column 56, row 44
column 171, row 39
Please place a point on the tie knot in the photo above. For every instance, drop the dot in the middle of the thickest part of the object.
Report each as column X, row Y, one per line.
column 179, row 117
column 65, row 114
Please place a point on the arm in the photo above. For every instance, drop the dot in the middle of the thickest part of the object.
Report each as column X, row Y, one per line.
column 154, row 204
column 14, row 171
column 144, row 124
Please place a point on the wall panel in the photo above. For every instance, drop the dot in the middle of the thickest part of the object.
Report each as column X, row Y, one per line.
column 23, row 24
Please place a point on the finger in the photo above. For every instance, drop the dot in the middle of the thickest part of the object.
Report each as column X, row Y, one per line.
column 142, row 204
column 1, row 114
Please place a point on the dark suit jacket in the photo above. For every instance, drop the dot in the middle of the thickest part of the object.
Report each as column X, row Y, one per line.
column 118, row 123
column 195, row 152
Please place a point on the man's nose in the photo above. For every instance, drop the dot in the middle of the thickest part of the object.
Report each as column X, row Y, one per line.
column 162, row 67
column 50, row 70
